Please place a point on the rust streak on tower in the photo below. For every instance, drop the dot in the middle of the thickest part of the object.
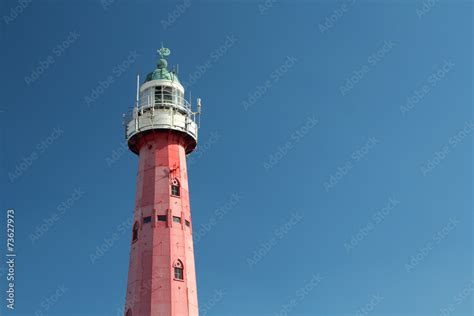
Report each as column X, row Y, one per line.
column 162, row 129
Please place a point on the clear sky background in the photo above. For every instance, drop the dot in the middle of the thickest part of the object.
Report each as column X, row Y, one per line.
column 334, row 170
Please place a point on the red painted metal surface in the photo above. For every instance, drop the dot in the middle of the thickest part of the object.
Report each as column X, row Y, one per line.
column 152, row 288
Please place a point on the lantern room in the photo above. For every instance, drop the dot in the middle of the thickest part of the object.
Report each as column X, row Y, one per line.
column 160, row 105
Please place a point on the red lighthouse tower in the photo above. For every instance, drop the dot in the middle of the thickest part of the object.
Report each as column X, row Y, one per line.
column 162, row 130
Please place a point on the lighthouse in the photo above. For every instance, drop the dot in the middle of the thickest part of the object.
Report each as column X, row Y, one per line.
column 162, row 129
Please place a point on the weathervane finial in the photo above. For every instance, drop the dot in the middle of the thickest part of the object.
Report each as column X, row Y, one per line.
column 163, row 51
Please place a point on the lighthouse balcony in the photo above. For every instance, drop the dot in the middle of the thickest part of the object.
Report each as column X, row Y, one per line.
column 168, row 113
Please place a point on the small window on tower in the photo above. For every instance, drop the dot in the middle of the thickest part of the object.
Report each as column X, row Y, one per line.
column 178, row 270
column 135, row 232
column 129, row 312
column 146, row 219
column 175, row 187
column 176, row 219
column 162, row 218
column 175, row 190
column 187, row 223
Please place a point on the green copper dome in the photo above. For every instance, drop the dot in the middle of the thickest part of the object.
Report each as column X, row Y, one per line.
column 161, row 71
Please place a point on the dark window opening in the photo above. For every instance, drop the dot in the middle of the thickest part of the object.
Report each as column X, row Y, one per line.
column 146, row 219
column 162, row 218
column 178, row 270
column 168, row 94
column 176, row 219
column 135, row 232
column 178, row 273
column 187, row 223
column 175, row 190
column 129, row 312
column 158, row 95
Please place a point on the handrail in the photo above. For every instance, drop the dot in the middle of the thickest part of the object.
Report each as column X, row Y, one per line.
column 164, row 99
column 145, row 107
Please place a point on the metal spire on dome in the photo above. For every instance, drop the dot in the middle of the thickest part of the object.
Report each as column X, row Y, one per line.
column 161, row 71
column 163, row 51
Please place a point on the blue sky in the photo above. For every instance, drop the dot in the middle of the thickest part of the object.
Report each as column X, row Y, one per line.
column 334, row 170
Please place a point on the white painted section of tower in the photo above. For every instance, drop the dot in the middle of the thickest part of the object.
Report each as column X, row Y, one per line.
column 161, row 110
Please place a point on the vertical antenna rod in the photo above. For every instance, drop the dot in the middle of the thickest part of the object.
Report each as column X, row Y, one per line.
column 199, row 110
column 138, row 89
